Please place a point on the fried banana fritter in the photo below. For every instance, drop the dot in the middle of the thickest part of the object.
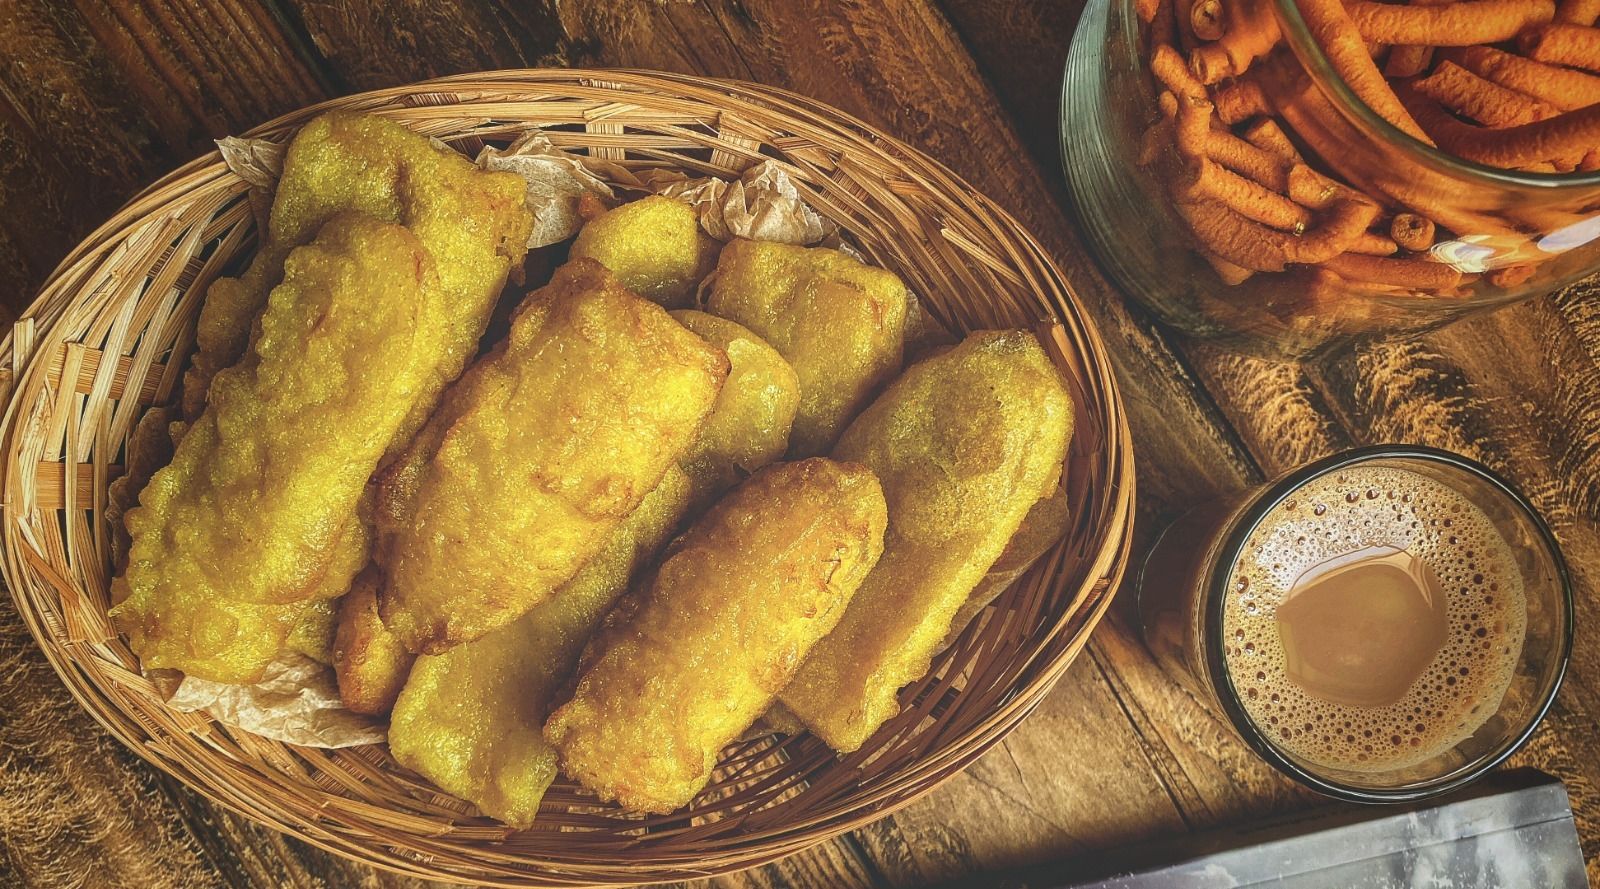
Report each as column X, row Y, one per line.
column 251, row 512
column 654, row 246
column 690, row 659
column 839, row 322
column 150, row 445
column 474, row 224
column 540, row 452
column 369, row 662
column 469, row 719
column 312, row 634
column 1041, row 528
column 750, row 422
column 964, row 443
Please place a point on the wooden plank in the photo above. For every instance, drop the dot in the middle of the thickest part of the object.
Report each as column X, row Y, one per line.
column 369, row 44
column 96, row 99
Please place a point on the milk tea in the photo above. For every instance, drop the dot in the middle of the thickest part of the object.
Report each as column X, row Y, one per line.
column 1374, row 619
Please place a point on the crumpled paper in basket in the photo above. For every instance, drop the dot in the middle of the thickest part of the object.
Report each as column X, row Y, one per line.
column 296, row 702
column 556, row 180
column 763, row 204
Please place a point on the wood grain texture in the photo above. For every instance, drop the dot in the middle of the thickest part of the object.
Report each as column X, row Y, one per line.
column 98, row 98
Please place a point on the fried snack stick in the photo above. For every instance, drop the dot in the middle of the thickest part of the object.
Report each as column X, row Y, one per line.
column 1240, row 100
column 474, row 225
column 1408, row 274
column 750, row 422
column 1245, row 243
column 1252, row 32
column 1562, row 88
column 964, row 443
column 699, row 650
column 470, row 719
column 654, row 246
column 1578, row 12
column 1267, row 135
column 540, row 451
column 1464, row 23
column 1245, row 197
column 1480, row 99
column 1413, row 232
column 249, row 514
column 1576, row 46
column 839, row 322
column 1570, row 134
column 1266, row 167
column 1333, row 29
column 368, row 661
column 1409, row 60
column 1207, row 19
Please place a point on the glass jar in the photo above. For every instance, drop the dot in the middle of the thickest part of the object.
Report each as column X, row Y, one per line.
column 1502, row 235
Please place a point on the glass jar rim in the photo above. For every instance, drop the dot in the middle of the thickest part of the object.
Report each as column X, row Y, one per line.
column 1310, row 54
column 1215, row 589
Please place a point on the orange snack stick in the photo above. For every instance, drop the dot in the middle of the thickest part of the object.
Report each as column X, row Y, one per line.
column 1240, row 100
column 1206, row 19
column 1168, row 67
column 1567, row 90
column 1467, row 23
column 1571, row 133
column 1408, row 60
column 1231, row 274
column 1264, row 166
column 1345, row 222
column 1332, row 27
column 1161, row 24
column 1374, row 244
column 1414, row 274
column 1267, row 135
column 1146, row 9
column 1249, row 199
column 1413, row 232
column 1481, row 99
column 1578, row 12
column 1591, row 161
column 1576, row 46
column 1224, row 233
column 1252, row 32
column 1510, row 276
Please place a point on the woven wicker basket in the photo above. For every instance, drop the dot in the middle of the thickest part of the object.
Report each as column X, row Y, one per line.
column 114, row 326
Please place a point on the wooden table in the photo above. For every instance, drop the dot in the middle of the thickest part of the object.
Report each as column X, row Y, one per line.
column 96, row 101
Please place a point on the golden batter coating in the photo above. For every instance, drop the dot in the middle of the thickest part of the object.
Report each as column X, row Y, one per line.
column 312, row 634
column 654, row 246
column 369, row 662
column 539, row 453
column 699, row 650
column 474, row 224
column 257, row 499
column 749, row 425
column 469, row 719
column 1041, row 529
column 965, row 443
column 839, row 322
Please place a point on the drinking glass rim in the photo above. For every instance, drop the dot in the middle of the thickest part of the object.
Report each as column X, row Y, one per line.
column 1215, row 588
column 1311, row 55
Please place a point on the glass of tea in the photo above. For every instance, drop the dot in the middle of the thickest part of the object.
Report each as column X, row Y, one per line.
column 1383, row 625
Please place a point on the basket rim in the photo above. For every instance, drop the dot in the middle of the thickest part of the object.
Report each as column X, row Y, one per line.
column 1100, row 574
